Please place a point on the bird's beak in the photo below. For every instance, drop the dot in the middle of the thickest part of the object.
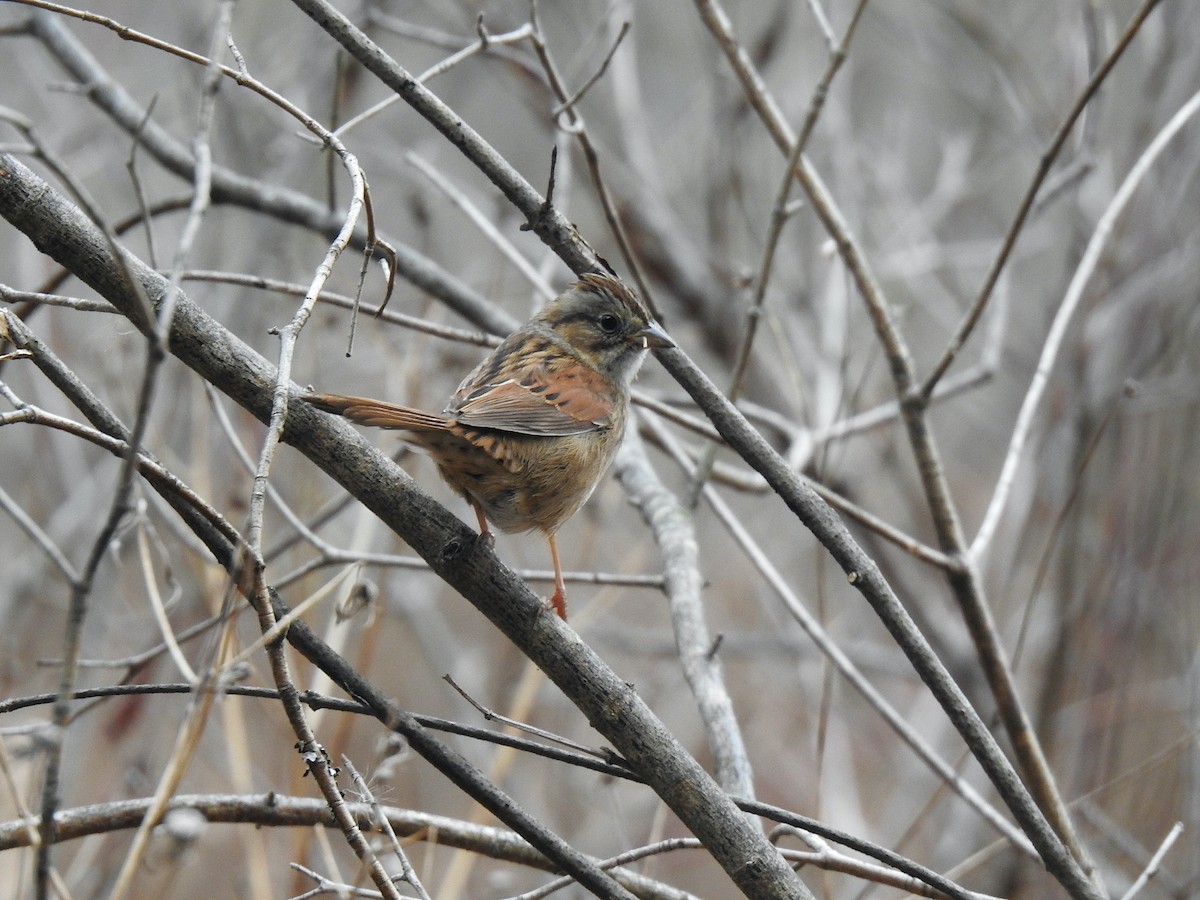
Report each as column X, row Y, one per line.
column 653, row 337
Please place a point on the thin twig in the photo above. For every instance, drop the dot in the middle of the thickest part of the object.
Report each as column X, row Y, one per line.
column 1155, row 861
column 490, row 715
column 159, row 607
column 826, row 857
column 483, row 224
column 844, row 665
column 576, row 126
column 230, row 187
column 1064, row 852
column 342, row 301
column 955, row 344
column 482, row 44
column 38, row 536
column 570, row 102
column 81, row 589
column 187, row 739
column 1062, row 319
column 781, row 212
column 407, row 872
column 658, row 848
column 12, row 295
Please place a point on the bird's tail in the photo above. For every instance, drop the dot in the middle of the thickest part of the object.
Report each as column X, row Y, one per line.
column 377, row 413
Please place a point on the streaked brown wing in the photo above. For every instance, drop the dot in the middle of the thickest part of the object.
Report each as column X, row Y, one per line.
column 573, row 399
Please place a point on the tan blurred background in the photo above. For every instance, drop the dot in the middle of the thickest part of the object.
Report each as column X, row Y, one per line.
column 931, row 133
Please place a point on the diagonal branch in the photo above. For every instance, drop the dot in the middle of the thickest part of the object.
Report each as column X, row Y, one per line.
column 560, row 236
column 451, row 549
column 971, row 319
column 965, row 581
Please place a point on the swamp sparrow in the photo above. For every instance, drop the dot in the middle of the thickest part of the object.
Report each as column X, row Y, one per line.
column 529, row 432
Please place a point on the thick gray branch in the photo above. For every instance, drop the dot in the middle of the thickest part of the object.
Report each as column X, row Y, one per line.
column 612, row 706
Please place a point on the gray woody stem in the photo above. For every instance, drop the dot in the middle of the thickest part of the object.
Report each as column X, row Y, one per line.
column 560, row 236
column 611, row 705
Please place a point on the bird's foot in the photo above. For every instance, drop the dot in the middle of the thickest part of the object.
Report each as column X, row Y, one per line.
column 558, row 603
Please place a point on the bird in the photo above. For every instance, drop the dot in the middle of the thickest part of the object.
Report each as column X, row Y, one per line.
column 531, row 430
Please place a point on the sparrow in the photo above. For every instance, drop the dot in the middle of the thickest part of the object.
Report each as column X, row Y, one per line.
column 530, row 431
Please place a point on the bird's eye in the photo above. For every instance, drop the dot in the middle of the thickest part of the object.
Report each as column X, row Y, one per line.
column 609, row 323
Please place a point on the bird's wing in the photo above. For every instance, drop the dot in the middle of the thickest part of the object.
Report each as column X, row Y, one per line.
column 572, row 399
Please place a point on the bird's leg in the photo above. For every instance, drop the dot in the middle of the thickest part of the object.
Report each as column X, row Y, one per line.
column 559, row 601
column 485, row 533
